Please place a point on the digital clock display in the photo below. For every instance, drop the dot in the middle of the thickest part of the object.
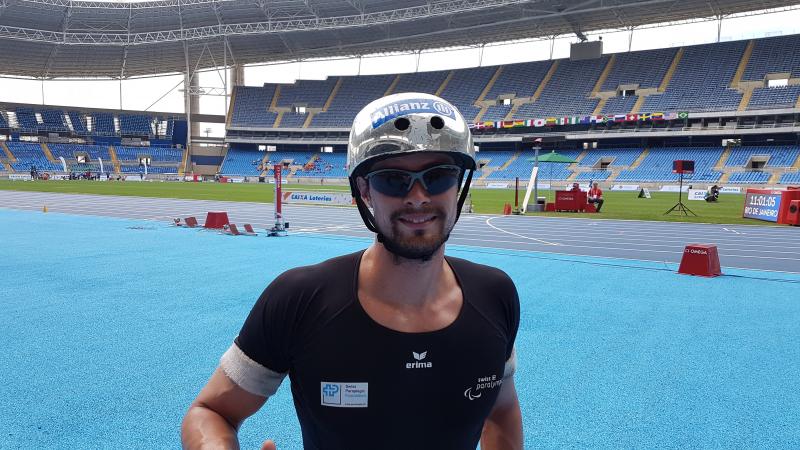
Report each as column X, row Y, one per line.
column 762, row 206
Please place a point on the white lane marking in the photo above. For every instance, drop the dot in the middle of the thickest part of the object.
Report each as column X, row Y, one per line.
column 732, row 231
column 489, row 222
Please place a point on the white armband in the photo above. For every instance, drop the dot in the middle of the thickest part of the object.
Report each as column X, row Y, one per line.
column 248, row 374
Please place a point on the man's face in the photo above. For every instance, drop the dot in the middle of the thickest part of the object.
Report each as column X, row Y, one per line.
column 417, row 224
column 595, row 185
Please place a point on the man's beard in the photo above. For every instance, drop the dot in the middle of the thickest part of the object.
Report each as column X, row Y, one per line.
column 420, row 244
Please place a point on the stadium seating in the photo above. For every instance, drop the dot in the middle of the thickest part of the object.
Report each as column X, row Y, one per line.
column 354, row 94
column 521, row 167
column 150, row 169
column 246, row 162
column 69, row 151
column 53, row 120
column 620, row 105
column 29, row 154
column 567, row 93
column 657, row 165
column 519, row 79
column 26, row 119
column 701, row 81
column 293, row 120
column 790, row 178
column 103, row 124
column 774, row 97
column 425, row 82
column 779, row 156
column 647, row 69
column 774, row 55
column 3, row 120
column 310, row 93
column 158, row 155
column 252, row 105
column 327, row 165
column 750, row 177
column 465, row 87
column 622, row 156
column 593, row 175
column 135, row 125
column 78, row 122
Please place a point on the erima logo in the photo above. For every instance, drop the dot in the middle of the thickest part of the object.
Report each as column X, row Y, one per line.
column 419, row 364
column 414, row 105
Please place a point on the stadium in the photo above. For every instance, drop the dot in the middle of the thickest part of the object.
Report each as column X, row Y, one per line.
column 119, row 120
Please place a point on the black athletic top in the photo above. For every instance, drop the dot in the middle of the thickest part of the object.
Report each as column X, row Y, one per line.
column 359, row 385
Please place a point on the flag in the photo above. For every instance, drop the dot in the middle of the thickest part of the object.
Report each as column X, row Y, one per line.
column 550, row 121
column 538, row 122
column 619, row 117
column 683, row 115
column 632, row 117
column 657, row 116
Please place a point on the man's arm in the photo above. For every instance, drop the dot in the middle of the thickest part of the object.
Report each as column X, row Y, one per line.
column 217, row 413
column 503, row 428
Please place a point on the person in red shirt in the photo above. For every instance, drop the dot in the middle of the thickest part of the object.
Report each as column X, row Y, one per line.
column 596, row 196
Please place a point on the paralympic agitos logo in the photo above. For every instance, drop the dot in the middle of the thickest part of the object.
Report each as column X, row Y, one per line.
column 414, row 105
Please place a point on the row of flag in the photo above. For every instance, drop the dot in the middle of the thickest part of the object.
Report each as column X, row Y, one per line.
column 581, row 120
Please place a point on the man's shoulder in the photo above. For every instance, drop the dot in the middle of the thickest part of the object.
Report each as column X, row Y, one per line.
column 322, row 272
column 480, row 273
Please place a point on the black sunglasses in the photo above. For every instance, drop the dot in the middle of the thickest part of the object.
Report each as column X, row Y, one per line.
column 398, row 182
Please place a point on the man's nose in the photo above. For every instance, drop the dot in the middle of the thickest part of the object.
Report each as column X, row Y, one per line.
column 417, row 195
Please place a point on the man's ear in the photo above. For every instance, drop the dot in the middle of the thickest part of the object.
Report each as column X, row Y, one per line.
column 363, row 190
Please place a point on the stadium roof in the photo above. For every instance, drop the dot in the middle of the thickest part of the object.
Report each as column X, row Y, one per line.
column 77, row 38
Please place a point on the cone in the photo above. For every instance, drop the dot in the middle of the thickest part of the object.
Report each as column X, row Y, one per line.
column 507, row 209
column 44, row 209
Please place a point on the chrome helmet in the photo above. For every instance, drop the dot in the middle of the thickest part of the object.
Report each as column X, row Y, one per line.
column 405, row 123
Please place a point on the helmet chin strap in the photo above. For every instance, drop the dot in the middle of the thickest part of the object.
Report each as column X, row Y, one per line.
column 369, row 218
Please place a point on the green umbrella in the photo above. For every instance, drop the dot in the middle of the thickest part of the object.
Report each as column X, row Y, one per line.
column 553, row 158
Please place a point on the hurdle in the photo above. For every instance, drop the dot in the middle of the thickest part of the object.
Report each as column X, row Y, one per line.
column 231, row 229
column 249, row 231
column 189, row 222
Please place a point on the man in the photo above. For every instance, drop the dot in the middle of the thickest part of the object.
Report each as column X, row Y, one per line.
column 712, row 194
column 394, row 347
column 596, row 196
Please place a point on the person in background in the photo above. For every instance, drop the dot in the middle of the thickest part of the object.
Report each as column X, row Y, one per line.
column 596, row 196
column 575, row 187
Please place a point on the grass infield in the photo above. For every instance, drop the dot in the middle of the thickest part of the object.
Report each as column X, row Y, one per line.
column 618, row 205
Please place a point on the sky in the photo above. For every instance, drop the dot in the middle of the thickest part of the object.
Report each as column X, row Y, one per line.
column 164, row 93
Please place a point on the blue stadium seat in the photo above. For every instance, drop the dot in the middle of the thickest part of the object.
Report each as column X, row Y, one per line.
column 779, row 155
column 657, row 165
column 753, row 177
column 779, row 54
column 701, row 81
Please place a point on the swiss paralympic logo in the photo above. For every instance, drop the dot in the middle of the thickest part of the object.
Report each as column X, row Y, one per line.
column 331, row 394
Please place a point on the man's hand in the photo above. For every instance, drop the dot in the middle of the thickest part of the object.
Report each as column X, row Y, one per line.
column 269, row 444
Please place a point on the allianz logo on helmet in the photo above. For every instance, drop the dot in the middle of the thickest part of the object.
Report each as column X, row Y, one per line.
column 414, row 105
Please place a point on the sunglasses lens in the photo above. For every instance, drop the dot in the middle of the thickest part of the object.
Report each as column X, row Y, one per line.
column 391, row 183
column 440, row 179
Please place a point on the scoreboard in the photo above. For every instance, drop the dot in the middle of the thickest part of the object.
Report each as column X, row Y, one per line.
column 762, row 204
